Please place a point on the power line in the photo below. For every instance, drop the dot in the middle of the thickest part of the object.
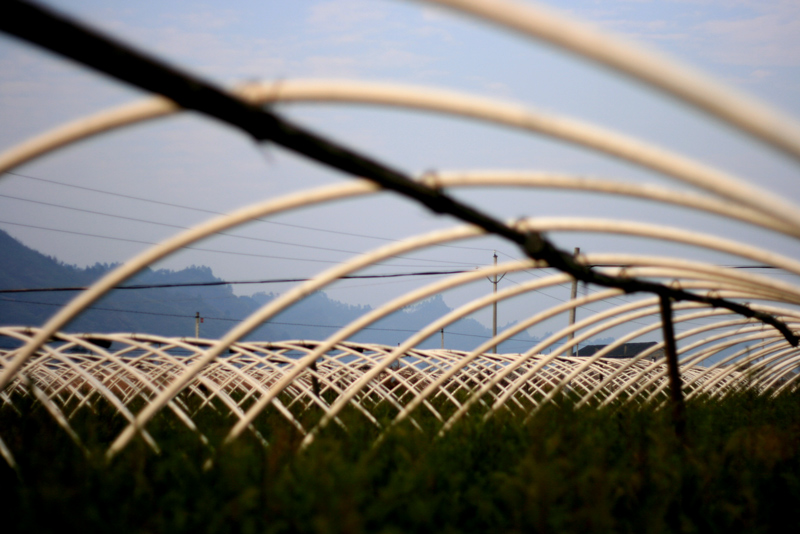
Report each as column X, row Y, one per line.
column 330, row 262
column 211, row 212
column 270, row 241
column 232, row 282
column 228, row 319
column 95, row 308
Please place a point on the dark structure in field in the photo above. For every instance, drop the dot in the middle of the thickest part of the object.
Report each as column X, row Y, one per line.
column 626, row 350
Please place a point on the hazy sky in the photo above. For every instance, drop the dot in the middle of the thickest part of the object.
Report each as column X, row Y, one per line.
column 195, row 162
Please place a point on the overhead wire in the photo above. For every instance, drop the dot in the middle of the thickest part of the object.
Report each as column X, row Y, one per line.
column 212, row 212
column 228, row 319
column 231, row 282
column 226, row 234
column 122, row 239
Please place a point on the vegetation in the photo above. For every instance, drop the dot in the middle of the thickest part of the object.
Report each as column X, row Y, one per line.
column 615, row 469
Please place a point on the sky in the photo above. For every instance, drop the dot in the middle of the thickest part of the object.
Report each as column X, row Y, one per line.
column 200, row 165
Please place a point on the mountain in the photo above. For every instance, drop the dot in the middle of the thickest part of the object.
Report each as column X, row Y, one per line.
column 171, row 311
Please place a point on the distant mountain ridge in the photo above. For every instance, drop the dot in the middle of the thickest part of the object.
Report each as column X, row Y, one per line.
column 170, row 311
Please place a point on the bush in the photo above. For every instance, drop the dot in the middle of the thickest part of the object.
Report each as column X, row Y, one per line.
column 612, row 469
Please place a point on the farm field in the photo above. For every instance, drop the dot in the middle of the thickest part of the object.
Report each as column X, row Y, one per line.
column 611, row 469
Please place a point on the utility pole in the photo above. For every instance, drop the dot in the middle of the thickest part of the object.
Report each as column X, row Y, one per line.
column 494, row 280
column 572, row 295
column 442, row 337
column 197, row 321
column 494, row 305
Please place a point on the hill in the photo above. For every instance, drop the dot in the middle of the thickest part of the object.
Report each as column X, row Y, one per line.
column 170, row 311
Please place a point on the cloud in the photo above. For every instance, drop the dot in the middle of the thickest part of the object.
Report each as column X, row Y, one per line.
column 380, row 61
column 353, row 18
column 766, row 39
column 38, row 90
column 759, row 34
column 760, row 74
column 332, row 66
column 209, row 19
column 434, row 32
column 647, row 30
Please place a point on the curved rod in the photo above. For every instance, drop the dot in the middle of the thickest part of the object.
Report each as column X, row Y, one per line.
column 433, row 327
column 259, row 317
column 555, row 180
column 762, row 345
column 277, row 305
column 521, row 117
column 577, row 371
column 192, row 347
column 786, row 367
column 656, row 372
column 621, row 369
column 778, row 371
column 762, row 373
column 785, row 386
column 716, row 281
column 259, row 210
column 54, row 412
column 702, row 355
column 164, row 356
column 534, row 352
column 21, row 334
column 765, row 348
column 663, row 372
column 637, row 265
column 27, row 332
column 493, row 111
column 255, row 385
column 653, row 231
column 697, row 315
column 370, row 318
column 258, row 386
column 615, row 319
column 632, row 59
column 81, row 373
column 185, row 238
column 773, row 367
column 211, row 376
column 381, row 312
column 502, row 336
column 84, row 128
column 690, row 360
column 98, row 386
column 386, row 350
column 714, row 349
column 646, row 353
column 429, row 330
column 507, row 370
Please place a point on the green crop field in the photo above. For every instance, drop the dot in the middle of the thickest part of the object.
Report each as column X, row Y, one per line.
column 612, row 469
